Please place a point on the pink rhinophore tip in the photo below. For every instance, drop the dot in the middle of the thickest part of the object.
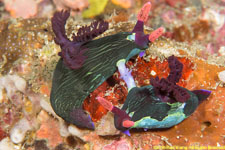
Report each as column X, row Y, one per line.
column 106, row 104
column 144, row 12
column 156, row 34
column 127, row 123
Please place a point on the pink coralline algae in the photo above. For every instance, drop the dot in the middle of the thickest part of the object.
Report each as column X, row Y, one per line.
column 49, row 130
column 169, row 16
column 73, row 5
column 122, row 144
column 21, row 8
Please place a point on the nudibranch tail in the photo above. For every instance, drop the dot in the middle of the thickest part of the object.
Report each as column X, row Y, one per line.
column 81, row 119
column 202, row 94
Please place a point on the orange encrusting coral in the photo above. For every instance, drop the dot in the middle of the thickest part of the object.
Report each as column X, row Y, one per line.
column 115, row 95
column 143, row 70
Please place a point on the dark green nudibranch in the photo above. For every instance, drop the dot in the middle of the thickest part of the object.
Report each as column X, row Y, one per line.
column 86, row 63
column 148, row 111
column 162, row 104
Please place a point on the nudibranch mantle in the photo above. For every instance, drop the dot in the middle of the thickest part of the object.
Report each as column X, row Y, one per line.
column 86, row 63
column 154, row 113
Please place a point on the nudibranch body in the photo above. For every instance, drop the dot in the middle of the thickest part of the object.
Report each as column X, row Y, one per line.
column 86, row 63
column 162, row 104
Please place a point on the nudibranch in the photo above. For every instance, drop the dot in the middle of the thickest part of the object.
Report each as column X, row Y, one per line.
column 86, row 62
column 162, row 104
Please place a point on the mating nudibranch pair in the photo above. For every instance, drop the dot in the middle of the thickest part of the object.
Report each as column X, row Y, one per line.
column 86, row 63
